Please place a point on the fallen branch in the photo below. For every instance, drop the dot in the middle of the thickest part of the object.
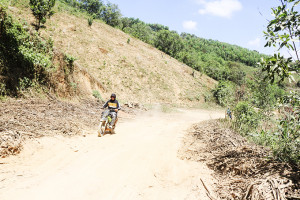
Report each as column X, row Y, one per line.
column 207, row 191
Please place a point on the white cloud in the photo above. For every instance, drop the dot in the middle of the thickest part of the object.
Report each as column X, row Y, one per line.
column 220, row 8
column 255, row 42
column 189, row 25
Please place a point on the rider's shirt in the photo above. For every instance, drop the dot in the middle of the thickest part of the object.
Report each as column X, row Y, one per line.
column 112, row 105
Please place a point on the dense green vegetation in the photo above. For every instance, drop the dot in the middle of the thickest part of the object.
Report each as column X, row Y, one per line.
column 217, row 59
column 24, row 58
column 256, row 117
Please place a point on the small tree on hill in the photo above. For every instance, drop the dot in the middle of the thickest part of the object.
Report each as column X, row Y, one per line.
column 169, row 42
column 41, row 9
column 91, row 6
column 111, row 14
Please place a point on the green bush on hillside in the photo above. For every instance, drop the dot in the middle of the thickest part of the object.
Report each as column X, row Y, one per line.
column 90, row 21
column 169, row 42
column 286, row 145
column 284, row 140
column 140, row 31
column 227, row 71
column 41, row 9
column 224, row 93
column 246, row 119
column 236, row 74
column 264, row 94
column 97, row 95
column 23, row 55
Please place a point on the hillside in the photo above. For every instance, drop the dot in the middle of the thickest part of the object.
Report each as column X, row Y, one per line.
column 55, row 77
column 137, row 72
column 198, row 53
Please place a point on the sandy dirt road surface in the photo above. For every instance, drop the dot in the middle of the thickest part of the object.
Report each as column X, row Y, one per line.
column 139, row 162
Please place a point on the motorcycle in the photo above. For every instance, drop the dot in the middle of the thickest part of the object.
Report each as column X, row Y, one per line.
column 105, row 121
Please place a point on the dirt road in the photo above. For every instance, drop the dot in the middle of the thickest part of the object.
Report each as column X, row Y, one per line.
column 139, row 162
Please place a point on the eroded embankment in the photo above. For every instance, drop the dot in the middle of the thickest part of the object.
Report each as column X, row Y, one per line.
column 243, row 170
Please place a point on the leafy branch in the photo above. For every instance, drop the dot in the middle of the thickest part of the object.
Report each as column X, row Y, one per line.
column 283, row 32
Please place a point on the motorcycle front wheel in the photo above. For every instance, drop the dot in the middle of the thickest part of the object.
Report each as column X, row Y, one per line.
column 102, row 128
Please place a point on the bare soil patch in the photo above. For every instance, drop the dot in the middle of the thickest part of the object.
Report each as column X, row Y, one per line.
column 243, row 170
column 137, row 72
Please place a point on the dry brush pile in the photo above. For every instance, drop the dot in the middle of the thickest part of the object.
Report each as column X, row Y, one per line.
column 23, row 119
column 244, row 171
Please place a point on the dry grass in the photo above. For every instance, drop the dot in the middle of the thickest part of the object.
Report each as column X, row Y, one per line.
column 137, row 72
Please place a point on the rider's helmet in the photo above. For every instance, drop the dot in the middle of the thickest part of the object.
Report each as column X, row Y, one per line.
column 113, row 96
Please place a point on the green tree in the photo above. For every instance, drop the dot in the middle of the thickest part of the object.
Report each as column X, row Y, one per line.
column 140, row 31
column 236, row 75
column 92, row 6
column 158, row 27
column 169, row 42
column 191, row 59
column 41, row 9
column 111, row 14
column 125, row 23
column 282, row 33
column 129, row 22
column 225, row 93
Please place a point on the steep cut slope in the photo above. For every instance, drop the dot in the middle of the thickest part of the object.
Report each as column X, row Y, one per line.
column 136, row 71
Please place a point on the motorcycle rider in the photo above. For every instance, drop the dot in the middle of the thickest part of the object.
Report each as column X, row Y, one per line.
column 113, row 106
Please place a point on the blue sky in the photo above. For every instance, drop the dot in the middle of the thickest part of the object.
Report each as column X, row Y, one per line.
column 239, row 22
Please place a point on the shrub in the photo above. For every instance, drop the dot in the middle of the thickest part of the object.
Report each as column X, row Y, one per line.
column 74, row 86
column 140, row 31
column 224, row 93
column 236, row 75
column 97, row 95
column 246, row 118
column 2, row 89
column 169, row 42
column 24, row 83
column 231, row 72
column 90, row 21
column 266, row 95
column 41, row 9
column 208, row 97
column 286, row 146
column 69, row 59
